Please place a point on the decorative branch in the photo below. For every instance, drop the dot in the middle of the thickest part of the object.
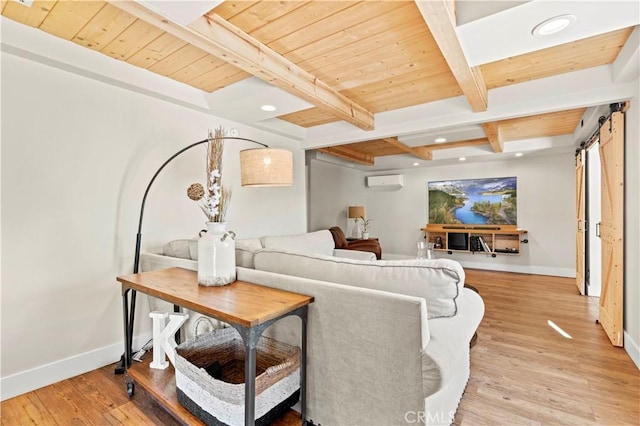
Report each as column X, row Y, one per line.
column 215, row 199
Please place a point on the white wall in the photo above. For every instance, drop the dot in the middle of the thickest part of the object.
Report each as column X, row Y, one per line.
column 632, row 232
column 332, row 189
column 546, row 209
column 76, row 156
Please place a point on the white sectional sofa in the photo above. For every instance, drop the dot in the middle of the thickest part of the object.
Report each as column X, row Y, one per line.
column 388, row 340
column 318, row 242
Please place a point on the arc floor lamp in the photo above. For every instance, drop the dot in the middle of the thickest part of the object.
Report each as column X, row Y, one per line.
column 259, row 167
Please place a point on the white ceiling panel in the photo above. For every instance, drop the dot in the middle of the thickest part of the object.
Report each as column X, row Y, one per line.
column 508, row 33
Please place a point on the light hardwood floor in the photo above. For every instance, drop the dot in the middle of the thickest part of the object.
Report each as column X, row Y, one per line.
column 523, row 372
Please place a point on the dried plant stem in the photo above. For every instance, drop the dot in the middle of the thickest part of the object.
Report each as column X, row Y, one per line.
column 225, row 200
column 214, row 153
column 214, row 163
column 213, row 199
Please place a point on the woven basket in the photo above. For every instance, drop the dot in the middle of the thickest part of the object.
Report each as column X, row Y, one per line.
column 221, row 401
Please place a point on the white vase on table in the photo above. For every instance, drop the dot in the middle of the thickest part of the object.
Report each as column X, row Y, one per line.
column 216, row 255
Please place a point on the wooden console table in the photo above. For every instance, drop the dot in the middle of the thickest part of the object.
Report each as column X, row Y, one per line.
column 249, row 308
column 503, row 239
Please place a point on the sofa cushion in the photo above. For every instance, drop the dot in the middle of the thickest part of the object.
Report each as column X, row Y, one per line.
column 245, row 250
column 354, row 254
column 318, row 242
column 188, row 249
column 438, row 281
column 177, row 248
column 193, row 248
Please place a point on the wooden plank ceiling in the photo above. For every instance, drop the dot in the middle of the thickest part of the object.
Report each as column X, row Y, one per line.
column 351, row 59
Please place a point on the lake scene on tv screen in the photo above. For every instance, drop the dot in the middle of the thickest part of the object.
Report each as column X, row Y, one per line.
column 486, row 201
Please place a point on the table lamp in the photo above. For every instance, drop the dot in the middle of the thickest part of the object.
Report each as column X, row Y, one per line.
column 356, row 212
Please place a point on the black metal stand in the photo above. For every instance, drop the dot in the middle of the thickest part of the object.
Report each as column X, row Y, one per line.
column 250, row 337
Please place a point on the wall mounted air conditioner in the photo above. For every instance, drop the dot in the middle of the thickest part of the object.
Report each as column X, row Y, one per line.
column 385, row 182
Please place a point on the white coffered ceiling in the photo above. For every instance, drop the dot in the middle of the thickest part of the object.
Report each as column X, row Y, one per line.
column 386, row 59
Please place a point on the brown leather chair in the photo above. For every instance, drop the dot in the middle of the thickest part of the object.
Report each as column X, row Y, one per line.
column 372, row 246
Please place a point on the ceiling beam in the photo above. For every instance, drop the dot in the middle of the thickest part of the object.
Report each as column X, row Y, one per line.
column 221, row 39
column 440, row 18
column 348, row 154
column 492, row 130
column 424, row 153
column 457, row 144
column 418, row 152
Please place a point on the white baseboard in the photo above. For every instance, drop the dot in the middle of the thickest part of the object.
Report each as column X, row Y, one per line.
column 522, row 269
column 29, row 380
column 495, row 266
column 632, row 348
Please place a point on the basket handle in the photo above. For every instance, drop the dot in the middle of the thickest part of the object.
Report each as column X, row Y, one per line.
column 200, row 320
column 276, row 368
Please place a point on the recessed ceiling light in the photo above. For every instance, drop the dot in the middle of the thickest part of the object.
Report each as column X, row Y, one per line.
column 268, row 108
column 462, row 158
column 553, row 25
column 416, row 164
column 440, row 140
column 518, row 154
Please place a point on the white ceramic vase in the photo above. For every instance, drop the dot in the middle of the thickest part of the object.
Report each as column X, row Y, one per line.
column 365, row 235
column 217, row 255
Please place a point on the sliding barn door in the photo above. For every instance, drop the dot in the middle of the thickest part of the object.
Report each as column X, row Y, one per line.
column 580, row 221
column 611, row 229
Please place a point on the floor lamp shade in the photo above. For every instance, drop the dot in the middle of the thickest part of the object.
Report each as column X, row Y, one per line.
column 266, row 167
column 356, row 212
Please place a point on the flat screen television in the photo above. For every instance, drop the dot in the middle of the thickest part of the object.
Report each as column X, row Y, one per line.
column 458, row 241
column 485, row 201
